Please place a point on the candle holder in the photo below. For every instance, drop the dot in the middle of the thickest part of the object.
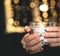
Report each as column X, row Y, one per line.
column 39, row 28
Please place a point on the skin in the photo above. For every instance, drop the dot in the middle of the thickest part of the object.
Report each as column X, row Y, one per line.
column 31, row 42
column 53, row 36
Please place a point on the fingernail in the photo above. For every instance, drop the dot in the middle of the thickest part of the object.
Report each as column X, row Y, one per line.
column 45, row 40
column 41, row 38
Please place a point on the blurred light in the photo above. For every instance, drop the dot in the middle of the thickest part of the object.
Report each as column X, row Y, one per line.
column 10, row 21
column 16, row 23
column 38, row 19
column 25, row 20
column 32, row 4
column 45, row 23
column 44, row 0
column 52, row 2
column 45, row 14
column 36, row 12
column 16, row 1
column 58, row 4
column 18, row 16
column 43, row 7
column 55, row 14
column 52, row 7
column 46, row 19
column 17, row 7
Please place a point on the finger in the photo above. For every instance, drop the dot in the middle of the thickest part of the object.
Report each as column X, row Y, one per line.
column 52, row 34
column 31, row 37
column 54, row 44
column 27, row 29
column 53, row 29
column 36, row 51
column 36, row 47
column 53, row 40
column 23, row 40
column 34, row 42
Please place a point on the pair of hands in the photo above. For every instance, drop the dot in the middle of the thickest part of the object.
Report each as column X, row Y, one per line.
column 31, row 42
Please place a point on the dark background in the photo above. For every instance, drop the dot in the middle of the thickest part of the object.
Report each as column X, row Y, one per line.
column 10, row 43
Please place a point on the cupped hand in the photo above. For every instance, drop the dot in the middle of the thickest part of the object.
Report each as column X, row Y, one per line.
column 31, row 43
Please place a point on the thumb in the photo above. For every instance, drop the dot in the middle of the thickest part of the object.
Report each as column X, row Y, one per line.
column 27, row 29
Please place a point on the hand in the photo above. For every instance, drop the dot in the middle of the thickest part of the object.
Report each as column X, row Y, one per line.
column 53, row 36
column 31, row 42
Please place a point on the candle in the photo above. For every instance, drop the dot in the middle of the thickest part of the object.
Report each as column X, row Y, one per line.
column 39, row 28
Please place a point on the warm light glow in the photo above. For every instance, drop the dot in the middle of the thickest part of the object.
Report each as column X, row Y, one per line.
column 45, row 14
column 32, row 4
column 43, row 7
column 38, row 19
column 17, row 7
column 16, row 1
column 52, row 2
column 16, row 23
column 10, row 27
column 58, row 4
column 10, row 21
column 44, row 0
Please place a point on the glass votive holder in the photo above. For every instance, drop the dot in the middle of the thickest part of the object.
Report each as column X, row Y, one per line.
column 38, row 27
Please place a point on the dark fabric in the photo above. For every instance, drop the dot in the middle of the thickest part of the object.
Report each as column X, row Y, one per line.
column 10, row 45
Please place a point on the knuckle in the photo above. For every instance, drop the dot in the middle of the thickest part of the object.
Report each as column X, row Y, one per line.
column 26, row 38
column 28, row 44
column 33, row 42
column 38, row 39
column 31, row 49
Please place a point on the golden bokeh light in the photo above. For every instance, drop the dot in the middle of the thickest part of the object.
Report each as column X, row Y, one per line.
column 16, row 23
column 45, row 14
column 16, row 1
column 32, row 4
column 36, row 12
column 44, row 7
column 55, row 14
column 38, row 19
column 52, row 2
column 44, row 0
column 17, row 7
column 10, row 21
